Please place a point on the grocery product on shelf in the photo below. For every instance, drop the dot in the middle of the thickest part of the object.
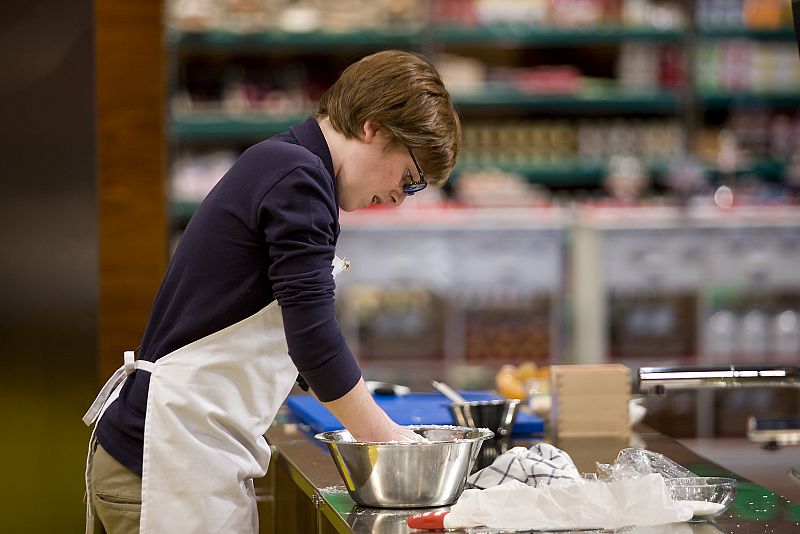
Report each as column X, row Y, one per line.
column 546, row 142
column 761, row 134
column 558, row 13
column 652, row 324
column 495, row 188
column 746, row 325
column 643, row 66
column 296, row 16
column 743, row 65
column 394, row 322
column 626, row 180
column 501, row 326
column 754, row 14
column 244, row 88
column 194, row 174
column 639, row 67
column 754, row 144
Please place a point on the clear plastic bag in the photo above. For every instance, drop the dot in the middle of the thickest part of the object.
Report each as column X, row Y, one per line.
column 634, row 463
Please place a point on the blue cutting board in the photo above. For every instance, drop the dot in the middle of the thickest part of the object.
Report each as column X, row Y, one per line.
column 411, row 409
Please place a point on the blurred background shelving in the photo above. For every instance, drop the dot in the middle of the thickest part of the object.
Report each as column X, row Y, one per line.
column 678, row 118
column 244, row 71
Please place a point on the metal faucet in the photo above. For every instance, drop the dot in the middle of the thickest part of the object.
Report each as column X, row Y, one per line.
column 656, row 380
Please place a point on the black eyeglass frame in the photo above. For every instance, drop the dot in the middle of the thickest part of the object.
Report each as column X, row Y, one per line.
column 417, row 185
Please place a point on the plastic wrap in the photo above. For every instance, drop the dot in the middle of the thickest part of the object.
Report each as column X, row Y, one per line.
column 634, row 463
column 643, row 501
column 631, row 491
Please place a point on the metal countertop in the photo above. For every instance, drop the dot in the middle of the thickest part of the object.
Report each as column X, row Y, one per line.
column 756, row 509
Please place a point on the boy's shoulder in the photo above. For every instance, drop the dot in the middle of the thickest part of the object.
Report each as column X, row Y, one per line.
column 281, row 143
column 283, row 151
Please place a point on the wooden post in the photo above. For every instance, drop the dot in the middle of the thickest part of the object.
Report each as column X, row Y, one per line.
column 131, row 141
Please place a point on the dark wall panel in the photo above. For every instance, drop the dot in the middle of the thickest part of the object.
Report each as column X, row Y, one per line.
column 49, row 267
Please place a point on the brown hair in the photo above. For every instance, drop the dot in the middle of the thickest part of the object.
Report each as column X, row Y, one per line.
column 404, row 95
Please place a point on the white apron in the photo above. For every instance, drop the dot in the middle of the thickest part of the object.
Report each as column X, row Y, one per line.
column 208, row 407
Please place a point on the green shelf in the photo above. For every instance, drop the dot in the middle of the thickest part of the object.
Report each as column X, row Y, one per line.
column 777, row 34
column 548, row 36
column 452, row 35
column 577, row 173
column 320, row 41
column 182, row 210
column 569, row 172
column 566, row 173
column 600, row 101
column 717, row 100
column 213, row 127
column 767, row 169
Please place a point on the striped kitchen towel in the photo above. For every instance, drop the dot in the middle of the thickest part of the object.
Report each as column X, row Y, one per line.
column 539, row 466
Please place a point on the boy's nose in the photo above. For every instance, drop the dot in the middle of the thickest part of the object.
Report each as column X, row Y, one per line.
column 397, row 198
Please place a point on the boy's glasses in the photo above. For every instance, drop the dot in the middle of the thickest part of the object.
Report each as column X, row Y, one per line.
column 418, row 185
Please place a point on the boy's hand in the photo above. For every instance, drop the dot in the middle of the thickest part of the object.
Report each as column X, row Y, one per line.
column 406, row 434
column 365, row 420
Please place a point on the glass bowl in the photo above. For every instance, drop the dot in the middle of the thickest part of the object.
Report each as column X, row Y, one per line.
column 709, row 497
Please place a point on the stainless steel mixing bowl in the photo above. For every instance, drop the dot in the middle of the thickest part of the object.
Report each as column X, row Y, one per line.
column 496, row 415
column 407, row 475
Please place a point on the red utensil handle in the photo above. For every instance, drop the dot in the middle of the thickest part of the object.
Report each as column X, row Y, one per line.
column 428, row 520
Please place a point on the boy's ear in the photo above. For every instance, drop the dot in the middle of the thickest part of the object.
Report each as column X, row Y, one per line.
column 370, row 131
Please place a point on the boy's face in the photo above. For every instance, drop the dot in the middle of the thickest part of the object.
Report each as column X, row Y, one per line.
column 374, row 172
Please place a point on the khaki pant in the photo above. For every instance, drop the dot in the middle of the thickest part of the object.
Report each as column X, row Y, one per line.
column 116, row 495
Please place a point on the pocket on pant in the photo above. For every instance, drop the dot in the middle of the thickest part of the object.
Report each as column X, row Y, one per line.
column 118, row 502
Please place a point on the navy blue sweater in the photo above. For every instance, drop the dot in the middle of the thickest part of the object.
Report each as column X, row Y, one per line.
column 266, row 231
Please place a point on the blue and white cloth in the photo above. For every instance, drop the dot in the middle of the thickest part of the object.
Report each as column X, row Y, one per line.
column 539, row 466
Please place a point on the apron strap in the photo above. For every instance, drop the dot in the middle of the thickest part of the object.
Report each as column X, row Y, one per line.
column 130, row 364
column 339, row 265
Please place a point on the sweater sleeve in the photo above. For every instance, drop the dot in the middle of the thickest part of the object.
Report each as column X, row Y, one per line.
column 299, row 218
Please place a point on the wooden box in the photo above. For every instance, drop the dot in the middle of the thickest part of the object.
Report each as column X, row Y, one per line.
column 590, row 400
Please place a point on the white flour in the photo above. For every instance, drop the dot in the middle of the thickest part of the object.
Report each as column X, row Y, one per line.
column 704, row 508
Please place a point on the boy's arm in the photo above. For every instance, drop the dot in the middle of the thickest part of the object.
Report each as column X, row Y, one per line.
column 365, row 420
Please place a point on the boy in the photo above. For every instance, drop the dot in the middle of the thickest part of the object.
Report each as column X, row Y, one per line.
column 248, row 301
